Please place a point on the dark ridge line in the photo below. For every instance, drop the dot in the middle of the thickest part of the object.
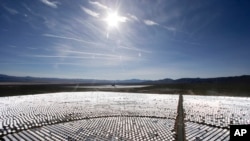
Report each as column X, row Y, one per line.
column 84, row 118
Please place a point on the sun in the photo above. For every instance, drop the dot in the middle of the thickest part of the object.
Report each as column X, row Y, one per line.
column 113, row 19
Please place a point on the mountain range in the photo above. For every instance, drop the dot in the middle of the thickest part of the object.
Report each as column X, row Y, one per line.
column 27, row 79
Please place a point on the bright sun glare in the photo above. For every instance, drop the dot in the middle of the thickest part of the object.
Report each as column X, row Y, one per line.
column 113, row 19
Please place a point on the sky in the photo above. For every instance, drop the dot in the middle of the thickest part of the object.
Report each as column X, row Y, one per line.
column 125, row 39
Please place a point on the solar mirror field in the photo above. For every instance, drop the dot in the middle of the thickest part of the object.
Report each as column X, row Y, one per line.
column 120, row 116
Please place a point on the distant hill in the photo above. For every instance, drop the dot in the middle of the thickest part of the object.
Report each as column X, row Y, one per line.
column 28, row 79
column 235, row 79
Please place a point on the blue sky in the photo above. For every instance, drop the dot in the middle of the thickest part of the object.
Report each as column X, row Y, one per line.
column 151, row 40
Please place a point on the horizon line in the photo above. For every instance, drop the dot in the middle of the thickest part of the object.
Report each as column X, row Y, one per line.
column 126, row 79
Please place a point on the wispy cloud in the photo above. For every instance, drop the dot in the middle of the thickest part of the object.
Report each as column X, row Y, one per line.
column 12, row 46
column 134, row 49
column 99, row 5
column 133, row 17
column 92, row 53
column 91, row 56
column 68, row 38
column 30, row 10
column 32, row 48
column 90, row 12
column 150, row 23
column 10, row 10
column 53, row 4
column 80, row 64
column 56, row 56
column 169, row 28
column 123, row 19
